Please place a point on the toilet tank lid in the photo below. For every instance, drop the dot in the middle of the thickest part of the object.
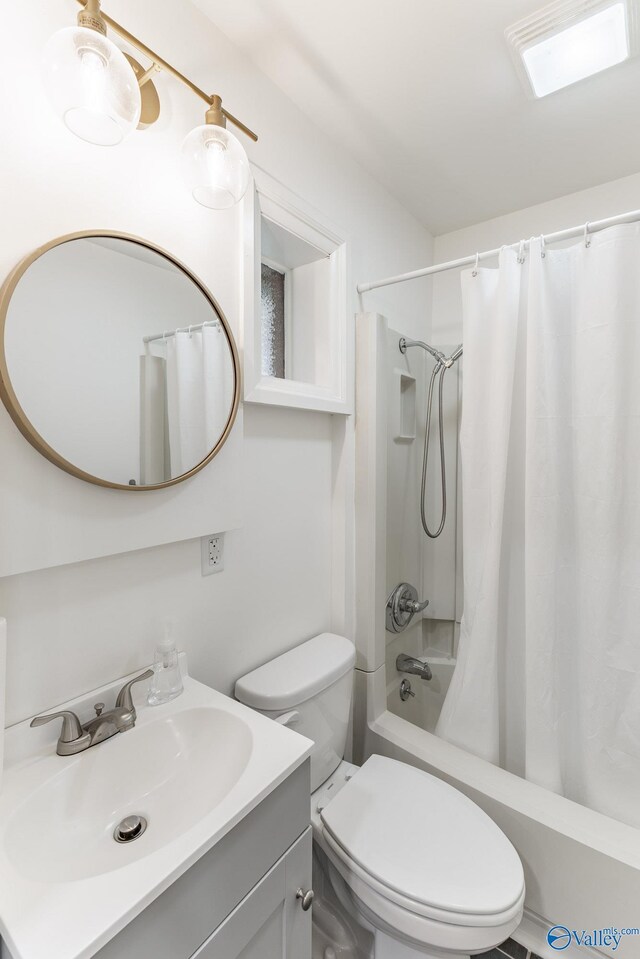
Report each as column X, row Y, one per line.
column 297, row 675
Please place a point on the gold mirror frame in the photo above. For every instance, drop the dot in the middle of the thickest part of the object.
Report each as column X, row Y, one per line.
column 19, row 417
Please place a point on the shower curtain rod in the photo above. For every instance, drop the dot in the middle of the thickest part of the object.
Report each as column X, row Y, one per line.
column 573, row 231
column 181, row 329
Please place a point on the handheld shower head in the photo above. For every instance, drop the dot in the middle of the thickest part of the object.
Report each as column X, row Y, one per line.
column 443, row 363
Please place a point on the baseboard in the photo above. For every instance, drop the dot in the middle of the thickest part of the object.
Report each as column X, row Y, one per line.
column 532, row 934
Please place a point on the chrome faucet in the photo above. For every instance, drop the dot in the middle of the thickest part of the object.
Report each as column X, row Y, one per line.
column 409, row 664
column 75, row 736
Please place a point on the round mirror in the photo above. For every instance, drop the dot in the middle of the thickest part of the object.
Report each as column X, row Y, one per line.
column 116, row 363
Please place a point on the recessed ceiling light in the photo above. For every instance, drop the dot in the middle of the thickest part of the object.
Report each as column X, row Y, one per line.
column 568, row 41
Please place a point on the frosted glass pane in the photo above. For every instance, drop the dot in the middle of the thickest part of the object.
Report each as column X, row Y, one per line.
column 272, row 304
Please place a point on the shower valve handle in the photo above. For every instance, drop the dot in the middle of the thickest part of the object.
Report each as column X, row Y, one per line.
column 413, row 605
column 402, row 605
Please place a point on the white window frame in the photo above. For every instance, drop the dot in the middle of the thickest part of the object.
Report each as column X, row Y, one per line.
column 270, row 199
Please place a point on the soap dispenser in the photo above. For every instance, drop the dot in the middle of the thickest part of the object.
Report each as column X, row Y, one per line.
column 167, row 681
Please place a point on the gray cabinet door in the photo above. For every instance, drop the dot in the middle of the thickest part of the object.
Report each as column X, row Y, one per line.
column 269, row 923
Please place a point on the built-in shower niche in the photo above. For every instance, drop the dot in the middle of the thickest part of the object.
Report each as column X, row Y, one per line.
column 404, row 430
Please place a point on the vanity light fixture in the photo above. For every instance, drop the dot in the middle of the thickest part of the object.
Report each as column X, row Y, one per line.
column 215, row 165
column 570, row 40
column 90, row 82
column 103, row 94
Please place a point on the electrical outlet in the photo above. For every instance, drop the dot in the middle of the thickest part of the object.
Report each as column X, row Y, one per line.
column 212, row 553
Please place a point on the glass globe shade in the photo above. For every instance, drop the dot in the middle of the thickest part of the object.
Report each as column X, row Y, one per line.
column 216, row 168
column 91, row 85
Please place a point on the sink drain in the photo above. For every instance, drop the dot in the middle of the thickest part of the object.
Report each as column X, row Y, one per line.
column 129, row 829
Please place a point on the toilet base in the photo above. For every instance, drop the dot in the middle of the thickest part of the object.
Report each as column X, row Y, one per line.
column 380, row 945
column 387, row 948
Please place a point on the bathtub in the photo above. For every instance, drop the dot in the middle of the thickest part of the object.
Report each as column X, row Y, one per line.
column 582, row 868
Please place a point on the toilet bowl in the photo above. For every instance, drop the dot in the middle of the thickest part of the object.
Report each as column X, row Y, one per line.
column 409, row 858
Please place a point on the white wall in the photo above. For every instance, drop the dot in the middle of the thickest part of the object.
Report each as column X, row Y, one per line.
column 600, row 202
column 288, row 570
column 309, row 346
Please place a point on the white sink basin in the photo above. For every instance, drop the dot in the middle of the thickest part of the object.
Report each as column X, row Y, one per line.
column 192, row 768
column 161, row 771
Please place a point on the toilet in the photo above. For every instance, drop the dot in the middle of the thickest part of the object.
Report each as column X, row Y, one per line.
column 410, row 860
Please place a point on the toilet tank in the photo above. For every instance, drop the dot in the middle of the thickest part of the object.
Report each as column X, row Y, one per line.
column 309, row 689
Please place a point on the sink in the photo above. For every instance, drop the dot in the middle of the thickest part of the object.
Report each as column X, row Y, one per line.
column 192, row 768
column 172, row 771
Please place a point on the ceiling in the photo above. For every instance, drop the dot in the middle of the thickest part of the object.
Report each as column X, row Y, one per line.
column 423, row 93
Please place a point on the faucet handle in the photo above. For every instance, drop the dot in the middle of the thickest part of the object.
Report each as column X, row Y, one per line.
column 413, row 606
column 124, row 699
column 402, row 606
column 72, row 736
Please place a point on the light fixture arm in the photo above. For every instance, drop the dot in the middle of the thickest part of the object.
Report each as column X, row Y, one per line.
column 146, row 76
column 95, row 19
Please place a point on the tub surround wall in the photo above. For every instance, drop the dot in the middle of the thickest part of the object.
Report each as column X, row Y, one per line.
column 405, row 385
column 441, row 584
column 290, row 472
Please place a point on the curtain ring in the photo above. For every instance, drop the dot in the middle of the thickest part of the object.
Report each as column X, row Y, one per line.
column 521, row 252
column 474, row 272
column 587, row 241
column 543, row 248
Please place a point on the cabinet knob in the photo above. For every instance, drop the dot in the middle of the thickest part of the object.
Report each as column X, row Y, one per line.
column 306, row 898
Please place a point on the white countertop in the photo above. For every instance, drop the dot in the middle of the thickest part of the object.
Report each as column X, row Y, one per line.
column 73, row 918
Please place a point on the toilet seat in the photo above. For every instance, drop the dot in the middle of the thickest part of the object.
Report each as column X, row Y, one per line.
column 421, row 931
column 348, row 867
column 422, row 857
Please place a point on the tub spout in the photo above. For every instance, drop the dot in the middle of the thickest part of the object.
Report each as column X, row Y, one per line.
column 409, row 664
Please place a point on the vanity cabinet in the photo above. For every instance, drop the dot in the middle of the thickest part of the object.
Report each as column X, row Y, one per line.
column 238, row 901
column 270, row 921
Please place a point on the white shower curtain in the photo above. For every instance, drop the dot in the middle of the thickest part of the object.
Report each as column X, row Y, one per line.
column 548, row 676
column 199, row 394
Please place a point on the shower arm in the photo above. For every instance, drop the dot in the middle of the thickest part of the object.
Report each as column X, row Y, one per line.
column 404, row 345
column 440, row 358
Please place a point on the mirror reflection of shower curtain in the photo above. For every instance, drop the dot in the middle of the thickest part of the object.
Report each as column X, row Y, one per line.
column 199, row 394
column 548, row 676
column 186, row 397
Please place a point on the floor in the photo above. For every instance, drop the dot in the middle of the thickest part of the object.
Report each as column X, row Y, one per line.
column 509, row 950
